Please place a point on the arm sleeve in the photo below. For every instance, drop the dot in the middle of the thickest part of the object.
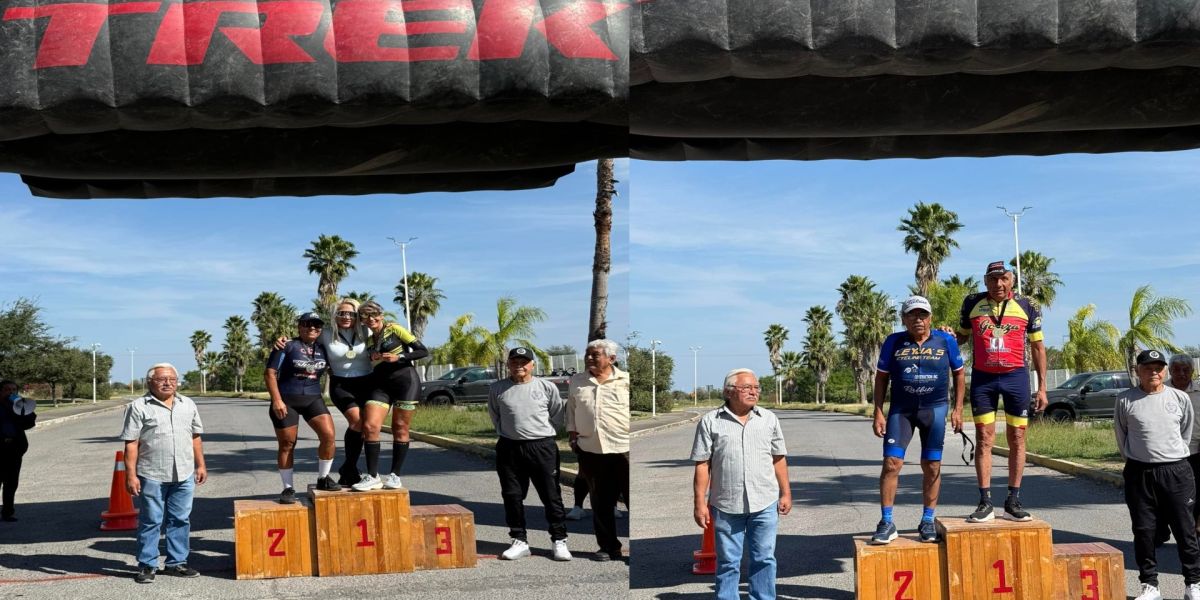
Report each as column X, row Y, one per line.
column 1119, row 425
column 964, row 315
column 558, row 406
column 572, row 402
column 885, row 355
column 132, row 428
column 778, row 448
column 275, row 360
column 197, row 424
column 1189, row 418
column 702, row 443
column 416, row 350
column 1033, row 328
column 493, row 409
column 956, row 357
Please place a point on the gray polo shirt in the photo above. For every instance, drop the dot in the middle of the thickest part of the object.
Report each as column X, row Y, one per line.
column 525, row 411
column 164, row 437
column 741, row 459
column 1153, row 428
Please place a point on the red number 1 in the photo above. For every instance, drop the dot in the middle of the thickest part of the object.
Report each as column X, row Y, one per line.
column 905, row 578
column 277, row 534
column 362, row 526
column 1092, row 588
column 444, row 544
column 1003, row 588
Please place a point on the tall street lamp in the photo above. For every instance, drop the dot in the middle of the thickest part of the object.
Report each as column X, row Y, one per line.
column 1016, row 216
column 695, row 370
column 654, row 344
column 94, row 346
column 404, row 266
column 131, row 351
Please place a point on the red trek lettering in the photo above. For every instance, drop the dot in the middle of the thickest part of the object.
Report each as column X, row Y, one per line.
column 73, row 28
column 360, row 25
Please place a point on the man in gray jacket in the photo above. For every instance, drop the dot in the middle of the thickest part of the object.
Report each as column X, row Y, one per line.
column 1153, row 424
column 525, row 410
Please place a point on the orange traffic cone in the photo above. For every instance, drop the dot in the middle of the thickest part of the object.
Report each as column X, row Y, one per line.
column 121, row 515
column 706, row 556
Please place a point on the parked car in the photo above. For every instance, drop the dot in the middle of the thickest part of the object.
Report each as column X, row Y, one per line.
column 469, row 385
column 1086, row 395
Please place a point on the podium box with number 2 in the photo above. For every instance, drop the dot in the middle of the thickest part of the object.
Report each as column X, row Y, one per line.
column 273, row 540
column 902, row 570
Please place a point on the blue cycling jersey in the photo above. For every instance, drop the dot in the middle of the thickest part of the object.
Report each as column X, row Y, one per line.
column 920, row 373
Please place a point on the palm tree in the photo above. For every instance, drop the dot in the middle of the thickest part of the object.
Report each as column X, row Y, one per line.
column 464, row 346
column 819, row 347
column 1037, row 281
column 424, row 302
column 208, row 366
column 969, row 282
column 329, row 257
column 1092, row 345
column 791, row 366
column 1150, row 323
column 514, row 326
column 274, row 318
column 927, row 234
column 606, row 187
column 775, row 336
column 868, row 316
column 200, row 341
column 236, row 351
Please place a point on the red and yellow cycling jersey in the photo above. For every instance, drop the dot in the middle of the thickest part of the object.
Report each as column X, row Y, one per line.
column 998, row 330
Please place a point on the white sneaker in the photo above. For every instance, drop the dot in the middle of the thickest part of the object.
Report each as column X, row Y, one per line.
column 560, row 550
column 367, row 483
column 391, row 481
column 1149, row 592
column 1192, row 592
column 576, row 513
column 518, row 549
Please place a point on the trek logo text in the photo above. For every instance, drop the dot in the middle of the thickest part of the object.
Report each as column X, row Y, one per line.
column 289, row 31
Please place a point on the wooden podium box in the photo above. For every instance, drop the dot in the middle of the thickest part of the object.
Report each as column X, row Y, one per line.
column 1095, row 571
column 997, row 560
column 273, row 540
column 443, row 537
column 905, row 569
column 362, row 532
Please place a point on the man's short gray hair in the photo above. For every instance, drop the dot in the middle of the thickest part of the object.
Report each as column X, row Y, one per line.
column 1182, row 359
column 609, row 346
column 170, row 366
column 731, row 376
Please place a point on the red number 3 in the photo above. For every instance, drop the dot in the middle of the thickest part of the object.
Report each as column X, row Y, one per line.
column 444, row 544
column 1092, row 588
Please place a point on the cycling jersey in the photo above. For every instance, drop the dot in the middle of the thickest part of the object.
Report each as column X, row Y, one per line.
column 920, row 373
column 298, row 367
column 998, row 330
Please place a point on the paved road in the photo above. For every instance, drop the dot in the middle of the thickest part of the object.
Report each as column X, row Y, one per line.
column 57, row 551
column 834, row 463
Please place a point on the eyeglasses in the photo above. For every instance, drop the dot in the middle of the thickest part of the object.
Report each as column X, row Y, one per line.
column 311, row 324
column 164, row 380
column 369, row 316
column 346, row 314
column 746, row 389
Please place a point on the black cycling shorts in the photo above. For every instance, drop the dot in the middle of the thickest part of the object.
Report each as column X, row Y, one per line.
column 309, row 407
column 348, row 392
column 401, row 388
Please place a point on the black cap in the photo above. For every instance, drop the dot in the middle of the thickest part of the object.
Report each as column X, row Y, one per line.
column 520, row 352
column 1151, row 356
column 310, row 316
column 995, row 268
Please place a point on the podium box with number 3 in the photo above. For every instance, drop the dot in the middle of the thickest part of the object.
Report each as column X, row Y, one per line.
column 360, row 533
column 1002, row 560
column 443, row 537
column 902, row 570
column 1089, row 571
column 273, row 540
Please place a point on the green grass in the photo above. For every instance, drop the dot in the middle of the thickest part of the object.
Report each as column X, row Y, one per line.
column 440, row 420
column 1091, row 443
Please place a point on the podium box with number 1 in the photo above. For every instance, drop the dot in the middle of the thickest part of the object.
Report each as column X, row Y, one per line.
column 360, row 533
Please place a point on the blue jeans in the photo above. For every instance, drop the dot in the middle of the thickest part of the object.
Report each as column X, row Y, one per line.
column 731, row 531
column 171, row 502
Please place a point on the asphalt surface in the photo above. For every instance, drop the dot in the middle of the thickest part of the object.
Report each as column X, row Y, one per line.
column 834, row 462
column 56, row 549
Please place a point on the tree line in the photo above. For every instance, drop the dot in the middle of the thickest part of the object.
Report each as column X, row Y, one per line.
column 31, row 354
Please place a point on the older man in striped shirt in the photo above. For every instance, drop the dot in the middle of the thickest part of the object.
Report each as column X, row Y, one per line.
column 741, row 485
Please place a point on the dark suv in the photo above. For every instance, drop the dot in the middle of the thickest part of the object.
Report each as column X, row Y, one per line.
column 1086, row 395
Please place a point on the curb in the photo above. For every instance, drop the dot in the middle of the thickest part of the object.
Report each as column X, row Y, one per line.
column 566, row 476
column 641, row 432
column 1068, row 467
column 58, row 420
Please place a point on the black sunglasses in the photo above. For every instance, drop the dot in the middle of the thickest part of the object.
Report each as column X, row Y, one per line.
column 316, row 324
column 346, row 314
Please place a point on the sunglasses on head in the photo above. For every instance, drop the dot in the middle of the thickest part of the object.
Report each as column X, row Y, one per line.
column 316, row 324
column 346, row 314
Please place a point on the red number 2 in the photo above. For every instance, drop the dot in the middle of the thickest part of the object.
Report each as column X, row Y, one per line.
column 277, row 534
column 1092, row 588
column 362, row 527
column 444, row 544
column 1003, row 588
column 905, row 578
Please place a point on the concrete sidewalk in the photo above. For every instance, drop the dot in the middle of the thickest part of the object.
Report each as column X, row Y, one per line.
column 49, row 416
column 663, row 421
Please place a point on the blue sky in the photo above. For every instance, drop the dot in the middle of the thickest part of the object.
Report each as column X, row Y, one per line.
column 721, row 250
column 146, row 274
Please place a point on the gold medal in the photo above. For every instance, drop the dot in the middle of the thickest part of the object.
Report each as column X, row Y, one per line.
column 351, row 354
